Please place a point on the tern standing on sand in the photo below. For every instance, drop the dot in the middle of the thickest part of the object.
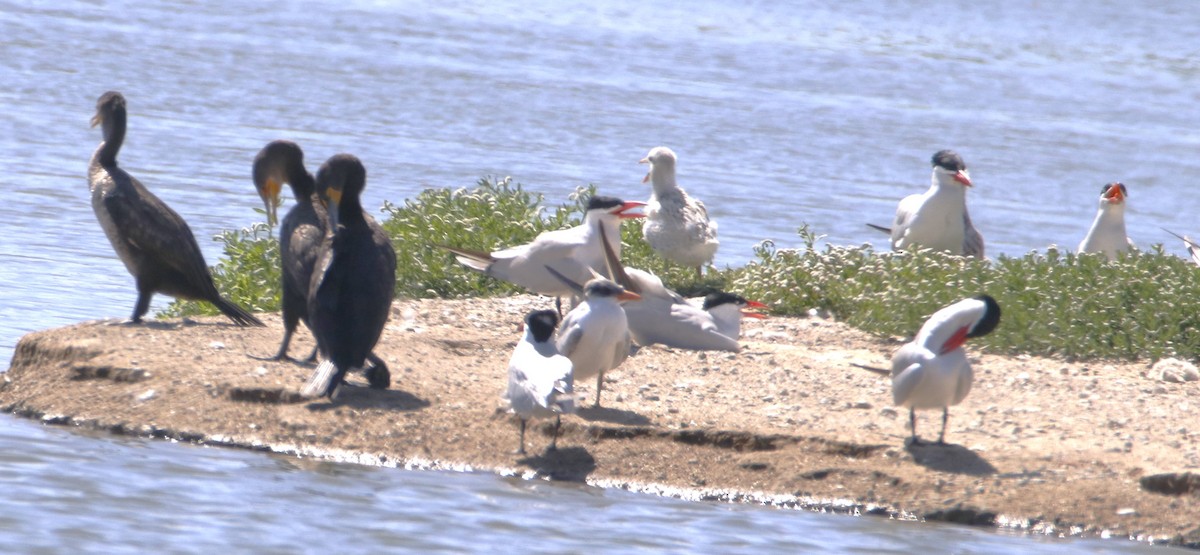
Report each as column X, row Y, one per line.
column 540, row 380
column 932, row 370
column 595, row 334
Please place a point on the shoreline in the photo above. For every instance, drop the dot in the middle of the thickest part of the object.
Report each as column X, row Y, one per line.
column 1040, row 445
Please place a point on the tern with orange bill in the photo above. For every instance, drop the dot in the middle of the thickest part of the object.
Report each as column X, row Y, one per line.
column 665, row 317
column 595, row 334
column 1107, row 234
column 938, row 219
column 574, row 252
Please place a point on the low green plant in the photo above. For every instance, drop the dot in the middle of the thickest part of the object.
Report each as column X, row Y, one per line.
column 1145, row 305
column 247, row 273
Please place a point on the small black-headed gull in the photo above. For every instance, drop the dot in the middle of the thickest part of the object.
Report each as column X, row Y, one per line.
column 1107, row 234
column 540, row 380
column 574, row 252
column 932, row 370
column 595, row 334
column 938, row 218
column 677, row 226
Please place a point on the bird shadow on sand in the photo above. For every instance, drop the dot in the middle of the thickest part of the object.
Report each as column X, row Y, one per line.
column 566, row 464
column 612, row 416
column 946, row 457
column 367, row 398
column 147, row 324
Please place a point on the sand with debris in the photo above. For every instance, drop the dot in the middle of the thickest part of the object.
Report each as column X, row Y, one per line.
column 1093, row 449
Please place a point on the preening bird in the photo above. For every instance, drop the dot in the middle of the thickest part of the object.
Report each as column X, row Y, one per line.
column 938, row 218
column 1107, row 234
column 353, row 282
column 932, row 370
column 677, row 226
column 595, row 334
column 575, row 252
column 540, row 379
column 301, row 233
column 151, row 239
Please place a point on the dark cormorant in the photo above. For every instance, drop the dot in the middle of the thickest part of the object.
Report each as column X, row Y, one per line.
column 352, row 284
column 300, row 235
column 155, row 244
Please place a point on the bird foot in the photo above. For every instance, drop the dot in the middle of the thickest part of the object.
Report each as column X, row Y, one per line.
column 379, row 377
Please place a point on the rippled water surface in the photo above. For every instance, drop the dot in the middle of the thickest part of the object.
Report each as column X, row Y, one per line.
column 782, row 113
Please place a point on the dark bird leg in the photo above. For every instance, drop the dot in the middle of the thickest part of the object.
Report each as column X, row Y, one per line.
column 378, row 375
column 145, row 291
column 700, row 272
column 912, row 422
column 599, row 388
column 945, row 418
column 554, row 440
column 291, row 319
column 283, row 347
column 521, row 445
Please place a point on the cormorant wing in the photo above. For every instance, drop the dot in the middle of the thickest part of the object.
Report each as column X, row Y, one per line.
column 155, row 229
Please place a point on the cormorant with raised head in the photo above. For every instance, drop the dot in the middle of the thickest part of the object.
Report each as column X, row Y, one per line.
column 352, row 284
column 155, row 244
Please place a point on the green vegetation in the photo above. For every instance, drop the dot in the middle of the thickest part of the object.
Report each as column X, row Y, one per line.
column 1144, row 306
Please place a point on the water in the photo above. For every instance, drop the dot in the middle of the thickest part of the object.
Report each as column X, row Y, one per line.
column 782, row 113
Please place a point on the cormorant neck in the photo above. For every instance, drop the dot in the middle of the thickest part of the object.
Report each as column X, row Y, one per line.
column 303, row 184
column 114, row 136
column 350, row 211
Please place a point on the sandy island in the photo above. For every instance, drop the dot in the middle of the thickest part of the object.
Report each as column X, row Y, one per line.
column 1091, row 449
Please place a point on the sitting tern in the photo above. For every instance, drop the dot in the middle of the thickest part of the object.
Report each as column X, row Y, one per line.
column 938, row 218
column 1107, row 234
column 664, row 316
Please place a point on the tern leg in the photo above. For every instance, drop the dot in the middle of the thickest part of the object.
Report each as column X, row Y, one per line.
column 554, row 440
column 599, row 388
column 912, row 422
column 945, row 418
column 521, row 446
